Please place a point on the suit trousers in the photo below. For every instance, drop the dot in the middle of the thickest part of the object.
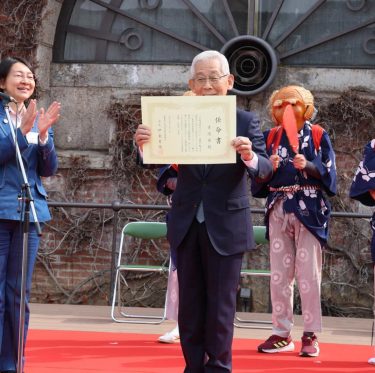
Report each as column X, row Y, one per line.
column 11, row 244
column 295, row 253
column 208, row 284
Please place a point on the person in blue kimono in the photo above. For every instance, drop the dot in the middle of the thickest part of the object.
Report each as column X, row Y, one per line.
column 363, row 190
column 297, row 215
column 34, row 136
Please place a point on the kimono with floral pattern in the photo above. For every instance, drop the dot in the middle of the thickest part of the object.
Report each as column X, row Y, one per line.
column 363, row 182
column 309, row 205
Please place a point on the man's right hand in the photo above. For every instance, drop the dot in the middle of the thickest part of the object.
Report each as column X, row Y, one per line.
column 142, row 135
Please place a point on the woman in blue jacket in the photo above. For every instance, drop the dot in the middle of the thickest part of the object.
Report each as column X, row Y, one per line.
column 34, row 136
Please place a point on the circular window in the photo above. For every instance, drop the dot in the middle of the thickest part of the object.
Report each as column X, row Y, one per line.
column 253, row 63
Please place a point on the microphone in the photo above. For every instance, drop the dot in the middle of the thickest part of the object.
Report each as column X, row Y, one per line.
column 6, row 98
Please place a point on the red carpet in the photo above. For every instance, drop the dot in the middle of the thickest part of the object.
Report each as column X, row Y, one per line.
column 50, row 351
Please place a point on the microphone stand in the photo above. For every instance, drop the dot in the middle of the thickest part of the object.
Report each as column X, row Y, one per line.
column 25, row 222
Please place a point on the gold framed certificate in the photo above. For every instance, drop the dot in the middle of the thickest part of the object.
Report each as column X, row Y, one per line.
column 189, row 129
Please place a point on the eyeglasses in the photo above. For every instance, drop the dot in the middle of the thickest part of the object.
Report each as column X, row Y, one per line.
column 19, row 76
column 213, row 80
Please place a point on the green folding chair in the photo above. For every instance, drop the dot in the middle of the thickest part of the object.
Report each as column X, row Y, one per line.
column 142, row 230
column 260, row 238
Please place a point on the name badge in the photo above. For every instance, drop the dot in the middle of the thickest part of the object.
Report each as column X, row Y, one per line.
column 32, row 137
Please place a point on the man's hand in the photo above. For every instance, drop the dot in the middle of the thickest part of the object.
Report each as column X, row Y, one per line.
column 243, row 147
column 299, row 162
column 142, row 135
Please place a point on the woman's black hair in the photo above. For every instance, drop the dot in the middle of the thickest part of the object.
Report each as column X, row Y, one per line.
column 6, row 65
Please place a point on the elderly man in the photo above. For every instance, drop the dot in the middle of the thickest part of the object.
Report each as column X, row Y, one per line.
column 209, row 227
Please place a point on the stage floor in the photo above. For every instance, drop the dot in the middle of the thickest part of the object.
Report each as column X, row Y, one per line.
column 98, row 318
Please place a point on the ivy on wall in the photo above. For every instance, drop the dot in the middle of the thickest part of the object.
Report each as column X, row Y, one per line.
column 350, row 116
column 20, row 22
column 347, row 288
column 125, row 171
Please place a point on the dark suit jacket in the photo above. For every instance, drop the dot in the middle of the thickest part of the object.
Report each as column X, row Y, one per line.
column 224, row 190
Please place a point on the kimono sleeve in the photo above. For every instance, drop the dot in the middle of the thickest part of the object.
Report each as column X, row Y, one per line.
column 325, row 162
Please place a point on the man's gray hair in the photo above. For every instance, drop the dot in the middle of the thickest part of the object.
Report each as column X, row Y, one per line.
column 210, row 55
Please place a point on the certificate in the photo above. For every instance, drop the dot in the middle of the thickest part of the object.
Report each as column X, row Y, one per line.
column 189, row 129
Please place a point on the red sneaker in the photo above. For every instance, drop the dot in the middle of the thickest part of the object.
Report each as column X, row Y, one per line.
column 275, row 344
column 310, row 346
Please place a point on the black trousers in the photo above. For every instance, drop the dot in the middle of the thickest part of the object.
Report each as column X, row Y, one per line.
column 208, row 284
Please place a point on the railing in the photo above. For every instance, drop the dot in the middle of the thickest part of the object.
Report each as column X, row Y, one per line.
column 116, row 206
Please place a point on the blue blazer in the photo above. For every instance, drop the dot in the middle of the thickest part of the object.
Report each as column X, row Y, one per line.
column 39, row 160
column 224, row 191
